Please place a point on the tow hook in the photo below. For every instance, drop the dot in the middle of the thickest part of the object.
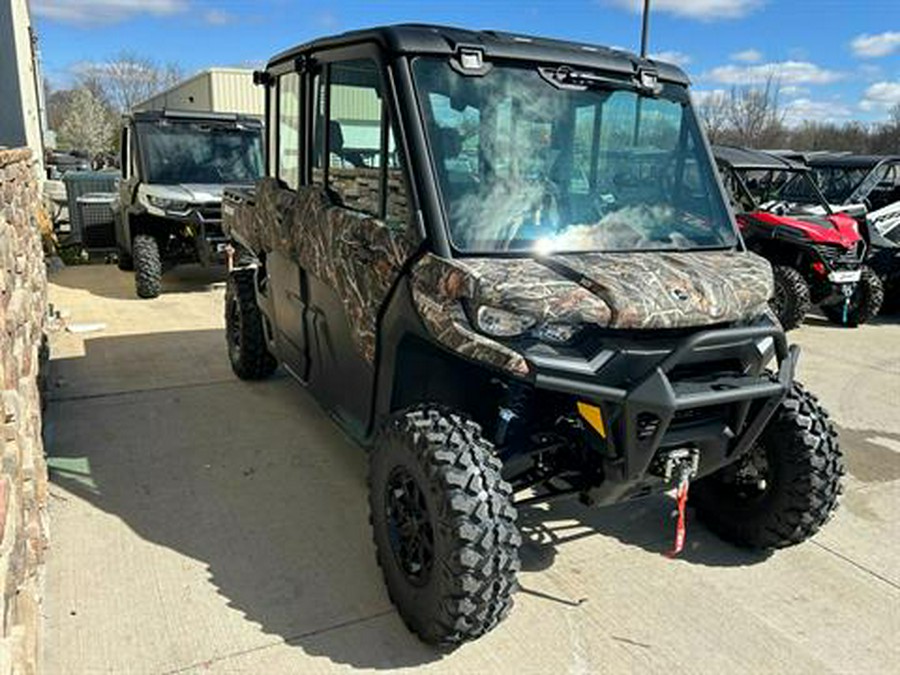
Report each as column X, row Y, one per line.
column 229, row 257
column 847, row 290
column 679, row 467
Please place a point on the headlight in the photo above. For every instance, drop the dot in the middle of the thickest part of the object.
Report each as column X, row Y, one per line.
column 500, row 323
column 167, row 204
column 557, row 333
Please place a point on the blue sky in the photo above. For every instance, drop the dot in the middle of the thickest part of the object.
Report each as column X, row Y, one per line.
column 835, row 59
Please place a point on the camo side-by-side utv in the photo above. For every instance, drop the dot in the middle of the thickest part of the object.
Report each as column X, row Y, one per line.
column 818, row 256
column 506, row 265
column 169, row 205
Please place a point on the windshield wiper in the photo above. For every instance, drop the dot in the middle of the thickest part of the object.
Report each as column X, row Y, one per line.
column 646, row 81
column 566, row 78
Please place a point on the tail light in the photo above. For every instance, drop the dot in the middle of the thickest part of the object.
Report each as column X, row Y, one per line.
column 819, row 268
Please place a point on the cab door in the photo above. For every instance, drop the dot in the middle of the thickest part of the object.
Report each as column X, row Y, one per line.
column 353, row 230
column 276, row 201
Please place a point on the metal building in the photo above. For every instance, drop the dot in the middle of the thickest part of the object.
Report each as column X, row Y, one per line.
column 226, row 90
column 21, row 96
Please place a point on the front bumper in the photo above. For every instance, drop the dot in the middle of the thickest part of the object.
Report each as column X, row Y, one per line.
column 204, row 225
column 681, row 396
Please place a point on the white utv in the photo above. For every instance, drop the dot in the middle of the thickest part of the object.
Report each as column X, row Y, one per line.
column 169, row 203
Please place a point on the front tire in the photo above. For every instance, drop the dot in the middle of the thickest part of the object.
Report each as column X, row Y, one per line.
column 865, row 303
column 785, row 488
column 147, row 266
column 247, row 348
column 791, row 301
column 124, row 261
column 444, row 526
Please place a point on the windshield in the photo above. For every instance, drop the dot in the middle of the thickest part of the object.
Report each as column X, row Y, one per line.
column 200, row 152
column 837, row 183
column 526, row 165
column 791, row 190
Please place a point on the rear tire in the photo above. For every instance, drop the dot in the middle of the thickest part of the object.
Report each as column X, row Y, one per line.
column 795, row 470
column 444, row 526
column 865, row 303
column 147, row 266
column 791, row 302
column 247, row 348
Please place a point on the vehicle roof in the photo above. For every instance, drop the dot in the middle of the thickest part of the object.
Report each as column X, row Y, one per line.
column 153, row 115
column 445, row 40
column 747, row 159
column 846, row 160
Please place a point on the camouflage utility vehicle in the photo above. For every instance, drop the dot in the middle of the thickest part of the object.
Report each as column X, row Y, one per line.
column 169, row 206
column 506, row 265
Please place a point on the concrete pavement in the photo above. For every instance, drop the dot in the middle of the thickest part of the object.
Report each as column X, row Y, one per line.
column 203, row 524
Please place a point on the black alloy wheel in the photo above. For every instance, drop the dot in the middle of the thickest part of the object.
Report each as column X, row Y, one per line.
column 410, row 532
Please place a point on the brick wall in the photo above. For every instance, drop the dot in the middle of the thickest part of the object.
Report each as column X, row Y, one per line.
column 23, row 473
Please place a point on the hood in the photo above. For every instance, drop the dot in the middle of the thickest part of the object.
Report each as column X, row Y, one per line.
column 192, row 193
column 200, row 193
column 838, row 228
column 639, row 290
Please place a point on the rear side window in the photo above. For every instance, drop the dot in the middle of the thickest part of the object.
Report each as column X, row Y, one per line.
column 354, row 135
column 289, row 129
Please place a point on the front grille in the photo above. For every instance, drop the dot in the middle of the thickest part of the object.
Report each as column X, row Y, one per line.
column 702, row 415
column 211, row 212
column 838, row 256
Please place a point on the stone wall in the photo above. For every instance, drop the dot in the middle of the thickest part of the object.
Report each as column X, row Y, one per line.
column 23, row 473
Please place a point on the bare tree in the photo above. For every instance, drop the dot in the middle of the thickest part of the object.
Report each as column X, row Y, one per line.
column 128, row 79
column 755, row 116
column 714, row 112
column 86, row 124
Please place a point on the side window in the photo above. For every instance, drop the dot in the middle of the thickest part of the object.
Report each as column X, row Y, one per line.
column 354, row 135
column 272, row 129
column 289, row 129
column 318, row 130
column 125, row 155
column 397, row 204
column 132, row 155
column 354, row 148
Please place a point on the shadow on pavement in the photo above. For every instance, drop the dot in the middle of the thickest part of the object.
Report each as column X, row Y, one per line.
column 258, row 483
column 109, row 282
column 647, row 524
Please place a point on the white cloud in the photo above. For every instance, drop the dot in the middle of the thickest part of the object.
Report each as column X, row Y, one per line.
column 875, row 46
column 103, row 11
column 703, row 10
column 807, row 110
column 703, row 97
column 871, row 72
column 217, row 17
column 785, row 73
column 678, row 58
column 881, row 96
column 748, row 56
column 792, row 91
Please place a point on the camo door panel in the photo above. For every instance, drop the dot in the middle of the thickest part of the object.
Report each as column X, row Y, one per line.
column 354, row 253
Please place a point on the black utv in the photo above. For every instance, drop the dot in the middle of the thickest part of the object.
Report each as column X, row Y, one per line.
column 169, row 206
column 506, row 266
